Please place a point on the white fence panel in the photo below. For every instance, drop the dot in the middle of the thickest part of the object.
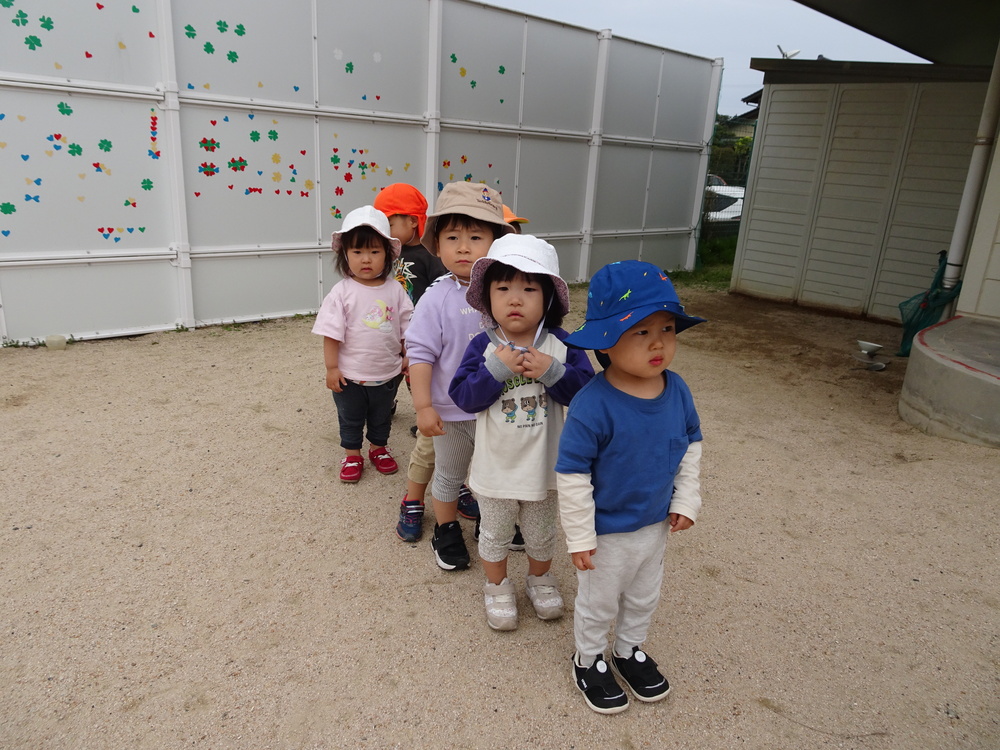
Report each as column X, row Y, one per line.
column 173, row 163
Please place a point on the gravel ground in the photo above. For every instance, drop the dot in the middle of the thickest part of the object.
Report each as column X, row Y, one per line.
column 182, row 567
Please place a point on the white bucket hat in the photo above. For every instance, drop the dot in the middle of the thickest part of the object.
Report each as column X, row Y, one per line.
column 366, row 216
column 527, row 254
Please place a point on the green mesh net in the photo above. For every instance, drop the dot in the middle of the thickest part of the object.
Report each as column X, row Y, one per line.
column 924, row 310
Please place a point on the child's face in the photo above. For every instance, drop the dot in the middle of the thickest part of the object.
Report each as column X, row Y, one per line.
column 517, row 305
column 403, row 228
column 646, row 349
column 367, row 263
column 460, row 248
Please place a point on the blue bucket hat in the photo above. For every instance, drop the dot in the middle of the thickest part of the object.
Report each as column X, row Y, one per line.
column 621, row 294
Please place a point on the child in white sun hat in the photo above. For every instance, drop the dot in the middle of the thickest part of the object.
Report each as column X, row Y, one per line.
column 516, row 377
column 362, row 321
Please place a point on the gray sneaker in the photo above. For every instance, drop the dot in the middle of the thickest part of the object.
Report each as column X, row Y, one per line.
column 544, row 593
column 501, row 605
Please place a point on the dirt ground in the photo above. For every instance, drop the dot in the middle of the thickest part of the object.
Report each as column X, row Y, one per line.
column 181, row 566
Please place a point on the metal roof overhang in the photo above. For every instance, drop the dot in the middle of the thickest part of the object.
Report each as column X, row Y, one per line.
column 948, row 32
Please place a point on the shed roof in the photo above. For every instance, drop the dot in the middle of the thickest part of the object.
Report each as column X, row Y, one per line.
column 947, row 32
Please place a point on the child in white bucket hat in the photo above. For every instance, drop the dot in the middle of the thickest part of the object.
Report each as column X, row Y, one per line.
column 362, row 321
column 516, row 377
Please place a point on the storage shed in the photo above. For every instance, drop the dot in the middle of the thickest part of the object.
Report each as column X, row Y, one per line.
column 855, row 181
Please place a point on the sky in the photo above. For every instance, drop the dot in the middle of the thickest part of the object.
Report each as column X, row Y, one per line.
column 734, row 30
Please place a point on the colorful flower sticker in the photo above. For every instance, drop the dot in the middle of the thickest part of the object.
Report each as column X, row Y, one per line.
column 7, row 208
column 104, row 144
column 189, row 32
column 222, row 26
column 33, row 42
column 276, row 158
column 335, row 212
column 254, row 136
column 461, row 72
column 46, row 23
column 240, row 29
column 64, row 108
column 232, row 56
column 454, row 58
column 147, row 184
column 349, row 67
column 272, row 135
column 209, row 48
column 209, row 144
column 501, row 70
column 208, row 169
column 130, row 202
column 20, row 18
column 238, row 165
column 472, row 83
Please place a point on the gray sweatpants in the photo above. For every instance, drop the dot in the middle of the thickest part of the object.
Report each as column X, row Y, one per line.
column 623, row 589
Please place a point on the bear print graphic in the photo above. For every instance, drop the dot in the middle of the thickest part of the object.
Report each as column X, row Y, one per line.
column 509, row 408
column 528, row 405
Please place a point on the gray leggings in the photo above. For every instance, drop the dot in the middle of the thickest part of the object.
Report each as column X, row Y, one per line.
column 452, row 456
column 537, row 519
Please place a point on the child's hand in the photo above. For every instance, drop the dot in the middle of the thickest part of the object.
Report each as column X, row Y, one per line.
column 582, row 561
column 429, row 422
column 334, row 380
column 679, row 522
column 511, row 357
column 536, row 363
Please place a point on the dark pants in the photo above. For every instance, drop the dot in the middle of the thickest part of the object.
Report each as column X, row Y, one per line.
column 358, row 405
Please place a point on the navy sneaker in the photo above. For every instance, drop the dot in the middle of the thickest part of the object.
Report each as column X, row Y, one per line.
column 599, row 688
column 467, row 505
column 639, row 672
column 517, row 543
column 411, row 520
column 449, row 546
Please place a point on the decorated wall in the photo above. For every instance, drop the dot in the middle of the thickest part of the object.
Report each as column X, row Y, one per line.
column 170, row 163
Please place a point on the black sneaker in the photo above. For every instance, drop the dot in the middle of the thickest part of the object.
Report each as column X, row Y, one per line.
column 517, row 543
column 468, row 507
column 639, row 672
column 449, row 547
column 599, row 688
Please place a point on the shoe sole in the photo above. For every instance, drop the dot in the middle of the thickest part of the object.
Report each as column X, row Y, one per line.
column 467, row 517
column 447, row 566
column 503, row 628
column 350, row 481
column 643, row 698
column 409, row 540
column 380, row 471
column 598, row 709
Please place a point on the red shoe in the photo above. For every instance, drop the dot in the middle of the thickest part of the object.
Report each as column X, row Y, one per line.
column 351, row 468
column 382, row 460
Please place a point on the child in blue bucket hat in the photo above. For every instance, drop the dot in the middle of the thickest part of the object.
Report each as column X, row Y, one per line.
column 637, row 413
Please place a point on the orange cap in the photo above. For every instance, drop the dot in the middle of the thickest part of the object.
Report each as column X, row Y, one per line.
column 400, row 198
column 509, row 216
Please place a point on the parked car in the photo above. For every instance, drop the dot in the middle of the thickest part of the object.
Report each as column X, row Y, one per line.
column 723, row 202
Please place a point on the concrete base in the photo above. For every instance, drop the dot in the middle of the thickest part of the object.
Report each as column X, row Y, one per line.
column 952, row 383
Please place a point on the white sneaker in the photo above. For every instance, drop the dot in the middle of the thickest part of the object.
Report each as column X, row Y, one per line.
column 501, row 605
column 545, row 597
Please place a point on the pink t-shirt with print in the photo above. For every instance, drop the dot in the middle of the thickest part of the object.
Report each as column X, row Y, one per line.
column 369, row 322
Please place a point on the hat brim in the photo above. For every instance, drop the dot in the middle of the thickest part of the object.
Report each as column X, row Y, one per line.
column 475, row 294
column 337, row 242
column 603, row 333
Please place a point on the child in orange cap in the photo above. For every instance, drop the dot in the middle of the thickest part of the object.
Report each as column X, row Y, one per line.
column 406, row 208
